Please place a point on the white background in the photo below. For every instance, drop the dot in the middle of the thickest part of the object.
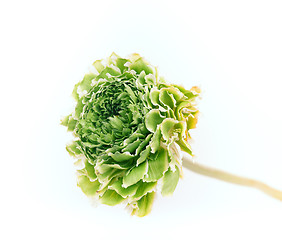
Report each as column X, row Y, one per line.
column 231, row 49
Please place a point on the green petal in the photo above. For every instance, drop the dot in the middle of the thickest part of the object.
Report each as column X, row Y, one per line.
column 192, row 120
column 124, row 192
column 120, row 64
column 140, row 65
column 65, row 120
column 144, row 188
column 112, row 59
column 180, row 106
column 157, row 166
column 116, row 122
column 108, row 70
column 150, row 79
column 98, row 65
column 132, row 146
column 170, row 181
column 89, row 188
column 131, row 93
column 185, row 146
column 78, row 109
column 154, row 95
column 143, row 144
column 86, row 82
column 167, row 128
column 188, row 93
column 75, row 94
column 111, row 198
column 153, row 119
column 135, row 175
column 177, row 94
column 104, row 171
column 141, row 80
column 108, row 176
column 167, row 99
column 156, row 140
column 90, row 171
column 133, row 137
column 148, row 101
column 73, row 149
column 102, row 168
column 144, row 155
column 145, row 205
column 174, row 155
column 119, row 157
column 71, row 124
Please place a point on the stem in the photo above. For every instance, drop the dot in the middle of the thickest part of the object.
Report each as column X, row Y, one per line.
column 231, row 178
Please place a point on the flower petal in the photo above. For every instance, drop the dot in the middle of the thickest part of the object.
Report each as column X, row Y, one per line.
column 119, row 157
column 89, row 188
column 111, row 198
column 144, row 188
column 170, row 181
column 153, row 119
column 144, row 205
column 143, row 155
column 167, row 128
column 135, row 175
column 167, row 99
column 124, row 192
column 98, row 65
column 157, row 166
column 156, row 140
column 140, row 65
column 132, row 146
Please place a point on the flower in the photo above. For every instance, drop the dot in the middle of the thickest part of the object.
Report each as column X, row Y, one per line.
column 129, row 127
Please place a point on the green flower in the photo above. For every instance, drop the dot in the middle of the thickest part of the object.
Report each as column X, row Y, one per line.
column 129, row 127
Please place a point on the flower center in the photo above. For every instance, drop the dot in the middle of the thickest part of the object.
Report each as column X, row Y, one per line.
column 114, row 111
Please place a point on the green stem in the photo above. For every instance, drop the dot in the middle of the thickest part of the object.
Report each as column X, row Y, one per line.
column 231, row 178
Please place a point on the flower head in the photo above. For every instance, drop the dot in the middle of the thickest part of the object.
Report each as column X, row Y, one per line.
column 130, row 127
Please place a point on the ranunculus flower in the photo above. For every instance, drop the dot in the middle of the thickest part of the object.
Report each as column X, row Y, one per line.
column 130, row 127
